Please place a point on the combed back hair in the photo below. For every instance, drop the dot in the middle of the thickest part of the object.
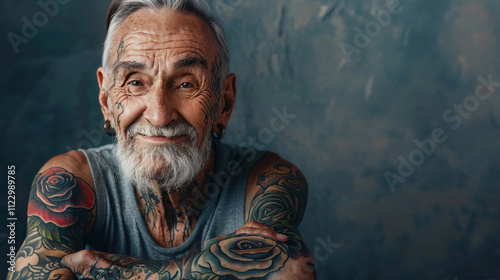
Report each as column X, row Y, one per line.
column 119, row 10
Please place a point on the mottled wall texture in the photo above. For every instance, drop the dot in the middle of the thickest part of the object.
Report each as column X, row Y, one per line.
column 396, row 120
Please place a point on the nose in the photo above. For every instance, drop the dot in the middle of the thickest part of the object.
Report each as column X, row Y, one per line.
column 161, row 107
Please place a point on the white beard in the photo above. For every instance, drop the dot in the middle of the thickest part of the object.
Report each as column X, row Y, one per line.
column 172, row 165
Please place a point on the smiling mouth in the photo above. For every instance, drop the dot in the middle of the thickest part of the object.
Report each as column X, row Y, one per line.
column 163, row 139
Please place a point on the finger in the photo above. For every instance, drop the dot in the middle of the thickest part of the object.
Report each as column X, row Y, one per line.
column 281, row 237
column 254, row 224
column 263, row 231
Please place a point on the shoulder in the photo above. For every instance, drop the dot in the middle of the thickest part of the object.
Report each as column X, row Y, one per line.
column 273, row 176
column 80, row 163
column 73, row 162
column 272, row 169
column 62, row 193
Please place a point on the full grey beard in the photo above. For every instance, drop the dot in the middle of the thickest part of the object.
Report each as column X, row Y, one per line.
column 173, row 166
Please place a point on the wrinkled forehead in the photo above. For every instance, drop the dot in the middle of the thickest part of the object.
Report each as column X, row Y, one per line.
column 146, row 34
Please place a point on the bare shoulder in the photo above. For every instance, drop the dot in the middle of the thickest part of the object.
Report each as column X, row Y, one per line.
column 62, row 196
column 273, row 176
column 73, row 162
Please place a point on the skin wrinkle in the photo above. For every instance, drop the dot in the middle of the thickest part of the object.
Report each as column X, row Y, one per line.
column 205, row 95
column 127, row 68
column 134, row 45
column 150, row 59
column 153, row 42
column 118, row 55
column 140, row 35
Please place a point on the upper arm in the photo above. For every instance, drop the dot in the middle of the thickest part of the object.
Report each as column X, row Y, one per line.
column 62, row 200
column 61, row 212
column 276, row 194
column 277, row 197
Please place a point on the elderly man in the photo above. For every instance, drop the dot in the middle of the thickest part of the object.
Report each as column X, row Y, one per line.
column 168, row 200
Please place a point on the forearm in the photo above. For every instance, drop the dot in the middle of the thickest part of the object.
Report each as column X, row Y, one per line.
column 240, row 256
column 39, row 258
column 97, row 265
column 41, row 270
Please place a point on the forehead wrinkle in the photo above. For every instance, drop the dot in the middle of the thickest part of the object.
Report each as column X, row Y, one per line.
column 169, row 40
column 149, row 55
column 159, row 42
column 160, row 46
column 150, row 48
column 139, row 34
column 161, row 37
column 154, row 61
column 146, row 25
column 137, row 51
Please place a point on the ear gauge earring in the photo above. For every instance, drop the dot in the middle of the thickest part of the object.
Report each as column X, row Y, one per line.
column 109, row 130
column 222, row 131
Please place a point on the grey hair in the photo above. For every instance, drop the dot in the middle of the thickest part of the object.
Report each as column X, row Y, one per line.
column 119, row 10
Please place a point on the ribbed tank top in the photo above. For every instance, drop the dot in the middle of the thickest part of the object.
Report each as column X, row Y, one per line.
column 119, row 226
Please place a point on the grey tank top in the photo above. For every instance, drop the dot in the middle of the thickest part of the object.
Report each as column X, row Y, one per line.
column 119, row 226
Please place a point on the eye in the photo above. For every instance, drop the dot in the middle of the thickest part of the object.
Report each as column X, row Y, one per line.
column 136, row 87
column 136, row 83
column 186, row 85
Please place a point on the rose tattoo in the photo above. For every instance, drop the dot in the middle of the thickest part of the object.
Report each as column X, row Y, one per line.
column 59, row 200
column 241, row 256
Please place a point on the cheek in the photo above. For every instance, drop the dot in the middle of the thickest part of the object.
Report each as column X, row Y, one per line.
column 207, row 105
column 126, row 109
column 194, row 111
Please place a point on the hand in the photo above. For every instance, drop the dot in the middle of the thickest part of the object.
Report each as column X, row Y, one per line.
column 82, row 262
column 251, row 227
column 97, row 265
column 254, row 227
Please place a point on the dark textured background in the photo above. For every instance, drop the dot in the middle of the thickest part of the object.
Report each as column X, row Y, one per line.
column 353, row 121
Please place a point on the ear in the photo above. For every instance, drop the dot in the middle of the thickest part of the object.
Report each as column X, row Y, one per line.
column 104, row 94
column 228, row 98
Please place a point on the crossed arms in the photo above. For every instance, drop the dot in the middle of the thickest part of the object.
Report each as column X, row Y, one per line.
column 61, row 213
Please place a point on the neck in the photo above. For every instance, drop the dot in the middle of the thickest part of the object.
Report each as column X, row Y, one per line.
column 171, row 216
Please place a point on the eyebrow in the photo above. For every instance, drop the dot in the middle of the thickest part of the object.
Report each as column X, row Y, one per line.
column 191, row 61
column 134, row 65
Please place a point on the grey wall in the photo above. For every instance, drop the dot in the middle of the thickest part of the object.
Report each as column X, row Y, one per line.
column 357, row 117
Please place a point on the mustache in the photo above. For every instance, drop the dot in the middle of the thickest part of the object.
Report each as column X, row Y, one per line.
column 173, row 129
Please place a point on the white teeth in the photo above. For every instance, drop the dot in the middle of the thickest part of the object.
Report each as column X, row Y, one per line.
column 176, row 131
column 161, row 132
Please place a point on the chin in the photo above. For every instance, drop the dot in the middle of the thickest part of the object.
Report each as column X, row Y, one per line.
column 170, row 165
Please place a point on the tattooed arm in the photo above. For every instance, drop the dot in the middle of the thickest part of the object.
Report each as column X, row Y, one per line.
column 276, row 198
column 61, row 211
column 252, row 252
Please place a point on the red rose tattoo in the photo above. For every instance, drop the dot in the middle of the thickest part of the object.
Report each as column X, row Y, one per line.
column 59, row 200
